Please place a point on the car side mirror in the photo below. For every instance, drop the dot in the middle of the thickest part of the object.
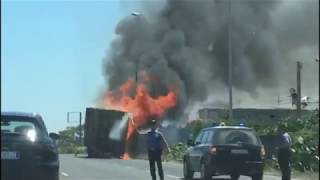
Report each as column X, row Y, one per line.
column 54, row 136
column 190, row 143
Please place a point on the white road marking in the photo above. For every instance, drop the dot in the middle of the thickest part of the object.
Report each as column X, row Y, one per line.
column 277, row 176
column 64, row 174
column 129, row 167
column 172, row 176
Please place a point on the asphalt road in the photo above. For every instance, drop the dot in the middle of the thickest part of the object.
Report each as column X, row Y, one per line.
column 81, row 168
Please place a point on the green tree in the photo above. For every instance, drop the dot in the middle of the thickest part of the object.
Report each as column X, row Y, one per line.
column 69, row 141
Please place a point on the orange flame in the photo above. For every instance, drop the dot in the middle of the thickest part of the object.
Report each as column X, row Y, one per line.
column 142, row 106
column 126, row 156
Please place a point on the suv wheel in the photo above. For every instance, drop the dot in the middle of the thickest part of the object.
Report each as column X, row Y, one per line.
column 187, row 173
column 235, row 176
column 51, row 175
column 204, row 173
column 257, row 176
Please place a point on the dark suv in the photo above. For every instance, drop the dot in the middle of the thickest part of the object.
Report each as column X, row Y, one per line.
column 27, row 150
column 225, row 150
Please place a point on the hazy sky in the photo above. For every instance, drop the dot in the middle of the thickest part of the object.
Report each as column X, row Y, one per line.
column 51, row 55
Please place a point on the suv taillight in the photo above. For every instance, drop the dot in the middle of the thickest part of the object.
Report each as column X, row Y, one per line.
column 213, row 150
column 262, row 152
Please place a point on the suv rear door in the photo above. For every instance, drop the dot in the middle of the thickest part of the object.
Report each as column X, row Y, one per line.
column 237, row 145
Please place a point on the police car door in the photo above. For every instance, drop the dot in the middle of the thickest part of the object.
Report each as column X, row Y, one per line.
column 199, row 150
column 206, row 145
column 193, row 150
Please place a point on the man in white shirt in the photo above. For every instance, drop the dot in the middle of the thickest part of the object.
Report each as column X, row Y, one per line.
column 284, row 153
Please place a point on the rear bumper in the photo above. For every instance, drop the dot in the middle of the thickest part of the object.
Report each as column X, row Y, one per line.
column 248, row 168
column 30, row 170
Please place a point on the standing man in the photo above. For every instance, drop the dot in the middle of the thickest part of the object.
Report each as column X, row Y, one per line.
column 284, row 153
column 155, row 143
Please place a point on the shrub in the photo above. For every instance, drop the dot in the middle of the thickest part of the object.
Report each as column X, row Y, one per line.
column 304, row 132
column 177, row 152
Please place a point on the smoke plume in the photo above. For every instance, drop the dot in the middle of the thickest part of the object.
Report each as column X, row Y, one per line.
column 184, row 44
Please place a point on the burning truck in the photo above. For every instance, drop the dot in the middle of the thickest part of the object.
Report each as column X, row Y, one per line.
column 118, row 131
column 98, row 125
column 105, row 134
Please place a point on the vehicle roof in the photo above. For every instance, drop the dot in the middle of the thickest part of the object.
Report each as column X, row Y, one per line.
column 227, row 127
column 24, row 114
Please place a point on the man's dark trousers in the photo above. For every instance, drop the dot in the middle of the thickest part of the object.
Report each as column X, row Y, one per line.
column 155, row 157
column 284, row 163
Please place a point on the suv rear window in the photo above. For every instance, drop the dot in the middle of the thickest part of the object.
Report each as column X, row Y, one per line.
column 235, row 136
column 19, row 125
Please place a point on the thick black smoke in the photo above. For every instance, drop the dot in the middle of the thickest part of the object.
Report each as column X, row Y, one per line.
column 185, row 44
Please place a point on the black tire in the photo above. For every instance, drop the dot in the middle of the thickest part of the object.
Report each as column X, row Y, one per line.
column 53, row 175
column 56, row 177
column 204, row 173
column 90, row 153
column 235, row 176
column 257, row 177
column 187, row 172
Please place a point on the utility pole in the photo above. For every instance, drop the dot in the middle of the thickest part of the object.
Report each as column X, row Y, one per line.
column 230, row 62
column 317, row 61
column 279, row 100
column 137, row 62
column 80, row 127
column 138, row 15
column 299, row 66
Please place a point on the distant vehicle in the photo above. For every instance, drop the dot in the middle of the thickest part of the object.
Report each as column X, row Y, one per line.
column 27, row 151
column 225, row 150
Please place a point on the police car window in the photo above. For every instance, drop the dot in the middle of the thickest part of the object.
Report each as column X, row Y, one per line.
column 210, row 137
column 234, row 136
column 204, row 137
column 198, row 139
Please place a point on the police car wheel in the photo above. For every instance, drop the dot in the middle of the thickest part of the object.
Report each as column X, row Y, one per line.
column 235, row 176
column 54, row 175
column 257, row 176
column 204, row 174
column 188, row 174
